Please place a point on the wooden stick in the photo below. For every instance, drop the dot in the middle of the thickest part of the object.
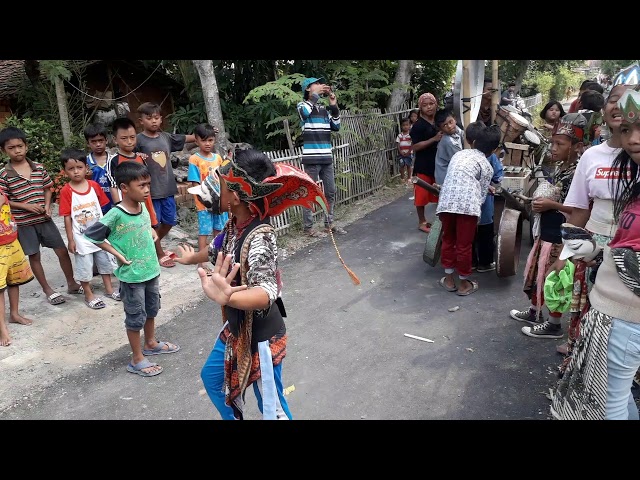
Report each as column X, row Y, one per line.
column 435, row 189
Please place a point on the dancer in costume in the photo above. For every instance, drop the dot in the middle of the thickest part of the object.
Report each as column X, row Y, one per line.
column 550, row 213
column 246, row 280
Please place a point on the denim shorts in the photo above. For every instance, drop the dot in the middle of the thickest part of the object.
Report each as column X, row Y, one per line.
column 83, row 271
column 208, row 222
column 405, row 161
column 141, row 301
column 166, row 211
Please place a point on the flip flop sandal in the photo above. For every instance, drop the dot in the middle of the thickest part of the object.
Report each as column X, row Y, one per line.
column 474, row 289
column 55, row 299
column 137, row 368
column 95, row 304
column 167, row 261
column 114, row 296
column 159, row 350
column 80, row 291
column 444, row 285
column 315, row 234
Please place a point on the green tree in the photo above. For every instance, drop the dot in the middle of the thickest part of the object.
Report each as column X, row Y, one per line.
column 612, row 67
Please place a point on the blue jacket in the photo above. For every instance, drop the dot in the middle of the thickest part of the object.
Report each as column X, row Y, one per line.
column 486, row 211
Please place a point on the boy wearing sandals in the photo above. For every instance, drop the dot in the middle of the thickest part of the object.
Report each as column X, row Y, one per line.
column 463, row 191
column 28, row 187
column 81, row 203
column 125, row 231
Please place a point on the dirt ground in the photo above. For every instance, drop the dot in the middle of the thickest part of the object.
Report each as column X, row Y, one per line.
column 67, row 337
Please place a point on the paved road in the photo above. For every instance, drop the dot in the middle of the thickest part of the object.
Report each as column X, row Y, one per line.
column 348, row 357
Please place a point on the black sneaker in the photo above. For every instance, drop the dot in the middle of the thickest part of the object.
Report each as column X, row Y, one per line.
column 544, row 330
column 527, row 316
column 486, row 268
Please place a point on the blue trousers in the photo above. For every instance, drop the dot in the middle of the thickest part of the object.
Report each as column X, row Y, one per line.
column 268, row 388
column 623, row 361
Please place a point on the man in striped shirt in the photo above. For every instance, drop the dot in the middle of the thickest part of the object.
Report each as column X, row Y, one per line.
column 28, row 187
column 317, row 158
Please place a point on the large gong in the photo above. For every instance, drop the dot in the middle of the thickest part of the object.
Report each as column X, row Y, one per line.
column 508, row 242
column 476, row 85
column 433, row 244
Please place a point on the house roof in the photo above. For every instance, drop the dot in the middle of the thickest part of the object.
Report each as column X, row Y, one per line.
column 13, row 75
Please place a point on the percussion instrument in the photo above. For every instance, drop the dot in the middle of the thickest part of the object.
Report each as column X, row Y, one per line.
column 433, row 244
column 508, row 242
column 473, row 97
column 531, row 138
column 502, row 115
column 513, row 126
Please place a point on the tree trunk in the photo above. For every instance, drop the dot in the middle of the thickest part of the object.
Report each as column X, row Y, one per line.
column 402, row 80
column 212, row 102
column 522, row 71
column 61, row 98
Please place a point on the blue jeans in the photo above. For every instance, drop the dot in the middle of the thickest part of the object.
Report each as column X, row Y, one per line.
column 268, row 389
column 324, row 173
column 623, row 361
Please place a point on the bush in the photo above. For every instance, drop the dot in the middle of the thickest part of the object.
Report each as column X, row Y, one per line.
column 44, row 145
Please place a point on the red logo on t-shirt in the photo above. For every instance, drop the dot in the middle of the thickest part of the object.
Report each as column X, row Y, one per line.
column 607, row 173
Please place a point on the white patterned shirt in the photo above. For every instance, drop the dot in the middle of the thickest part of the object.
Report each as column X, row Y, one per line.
column 466, row 183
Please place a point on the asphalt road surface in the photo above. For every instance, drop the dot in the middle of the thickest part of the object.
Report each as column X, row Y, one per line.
column 348, row 357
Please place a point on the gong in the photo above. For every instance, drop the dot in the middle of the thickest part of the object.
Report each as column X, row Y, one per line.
column 508, row 242
column 474, row 96
column 433, row 244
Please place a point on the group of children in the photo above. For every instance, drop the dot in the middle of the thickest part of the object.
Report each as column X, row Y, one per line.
column 476, row 243
column 116, row 209
column 102, row 219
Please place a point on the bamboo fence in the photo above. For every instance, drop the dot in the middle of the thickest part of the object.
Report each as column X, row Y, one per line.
column 365, row 158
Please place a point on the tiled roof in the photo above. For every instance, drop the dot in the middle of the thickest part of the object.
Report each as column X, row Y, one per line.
column 12, row 75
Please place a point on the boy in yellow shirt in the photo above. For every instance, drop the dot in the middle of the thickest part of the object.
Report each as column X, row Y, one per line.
column 201, row 165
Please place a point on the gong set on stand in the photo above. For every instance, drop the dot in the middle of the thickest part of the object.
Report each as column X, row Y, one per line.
column 523, row 151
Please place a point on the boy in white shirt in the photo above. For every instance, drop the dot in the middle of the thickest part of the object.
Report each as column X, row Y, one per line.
column 81, row 202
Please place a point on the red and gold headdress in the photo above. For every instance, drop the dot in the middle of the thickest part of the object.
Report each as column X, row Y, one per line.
column 289, row 187
column 573, row 126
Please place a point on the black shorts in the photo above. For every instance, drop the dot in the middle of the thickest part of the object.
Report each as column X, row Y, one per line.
column 44, row 233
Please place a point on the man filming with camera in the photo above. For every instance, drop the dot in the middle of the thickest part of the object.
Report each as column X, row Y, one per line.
column 318, row 122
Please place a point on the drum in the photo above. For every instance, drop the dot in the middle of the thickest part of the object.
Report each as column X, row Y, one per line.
column 502, row 115
column 508, row 242
column 531, row 138
column 513, row 126
column 433, row 244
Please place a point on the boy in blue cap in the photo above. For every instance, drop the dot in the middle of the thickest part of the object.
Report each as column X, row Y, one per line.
column 318, row 122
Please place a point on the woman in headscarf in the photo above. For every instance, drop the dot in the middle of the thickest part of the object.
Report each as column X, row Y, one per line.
column 425, row 137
